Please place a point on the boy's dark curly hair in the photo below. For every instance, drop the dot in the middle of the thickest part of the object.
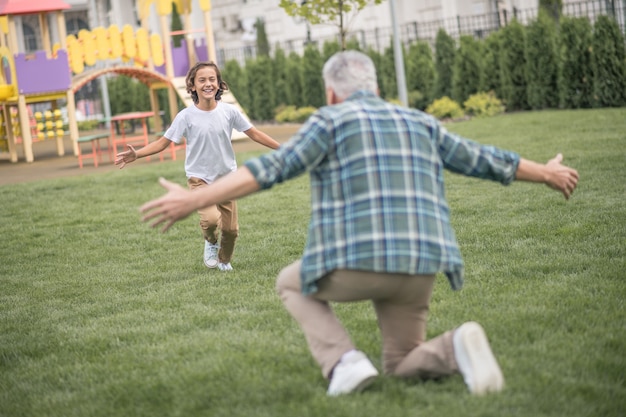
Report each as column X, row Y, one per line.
column 191, row 77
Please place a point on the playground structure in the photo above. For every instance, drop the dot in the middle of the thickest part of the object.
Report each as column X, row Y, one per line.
column 56, row 73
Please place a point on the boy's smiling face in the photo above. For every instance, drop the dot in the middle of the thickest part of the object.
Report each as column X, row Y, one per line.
column 205, row 83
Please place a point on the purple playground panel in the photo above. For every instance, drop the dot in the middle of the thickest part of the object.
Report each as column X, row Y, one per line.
column 180, row 59
column 37, row 74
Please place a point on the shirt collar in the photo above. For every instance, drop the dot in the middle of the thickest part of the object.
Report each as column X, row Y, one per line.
column 361, row 94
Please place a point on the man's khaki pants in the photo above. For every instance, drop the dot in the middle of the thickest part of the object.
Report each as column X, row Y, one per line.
column 221, row 216
column 401, row 305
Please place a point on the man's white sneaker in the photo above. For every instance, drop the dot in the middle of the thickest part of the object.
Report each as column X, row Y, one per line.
column 353, row 373
column 225, row 267
column 210, row 254
column 476, row 362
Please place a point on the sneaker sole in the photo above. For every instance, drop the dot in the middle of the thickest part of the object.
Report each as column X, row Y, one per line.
column 368, row 377
column 479, row 360
column 365, row 383
column 210, row 266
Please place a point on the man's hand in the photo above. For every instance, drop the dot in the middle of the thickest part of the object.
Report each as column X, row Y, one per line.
column 560, row 177
column 127, row 157
column 175, row 205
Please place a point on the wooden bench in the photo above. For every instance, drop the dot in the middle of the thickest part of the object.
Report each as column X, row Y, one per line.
column 96, row 150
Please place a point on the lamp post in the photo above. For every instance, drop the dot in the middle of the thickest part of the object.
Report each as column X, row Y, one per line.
column 398, row 57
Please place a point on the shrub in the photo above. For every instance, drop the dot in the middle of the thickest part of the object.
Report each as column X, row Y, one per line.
column 483, row 105
column 303, row 113
column 285, row 114
column 445, row 108
column 417, row 100
column 290, row 114
column 87, row 125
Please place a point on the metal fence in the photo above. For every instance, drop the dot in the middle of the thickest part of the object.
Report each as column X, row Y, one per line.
column 479, row 26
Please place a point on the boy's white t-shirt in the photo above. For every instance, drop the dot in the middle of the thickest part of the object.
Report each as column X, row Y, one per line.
column 210, row 154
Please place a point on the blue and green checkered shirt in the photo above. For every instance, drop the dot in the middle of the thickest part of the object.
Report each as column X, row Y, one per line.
column 377, row 188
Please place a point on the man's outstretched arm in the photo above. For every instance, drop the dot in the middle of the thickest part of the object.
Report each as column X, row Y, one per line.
column 179, row 202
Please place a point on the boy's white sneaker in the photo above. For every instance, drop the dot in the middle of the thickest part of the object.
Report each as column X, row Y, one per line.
column 210, row 254
column 353, row 373
column 476, row 362
column 225, row 267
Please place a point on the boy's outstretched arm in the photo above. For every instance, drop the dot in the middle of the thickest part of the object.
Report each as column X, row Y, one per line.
column 133, row 154
column 262, row 138
column 554, row 174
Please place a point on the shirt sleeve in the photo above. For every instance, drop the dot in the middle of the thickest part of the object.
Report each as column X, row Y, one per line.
column 240, row 123
column 305, row 150
column 177, row 129
column 473, row 159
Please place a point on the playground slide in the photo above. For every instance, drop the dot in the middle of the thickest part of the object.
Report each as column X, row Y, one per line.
column 227, row 97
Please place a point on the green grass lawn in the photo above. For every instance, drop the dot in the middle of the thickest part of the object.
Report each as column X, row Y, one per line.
column 102, row 316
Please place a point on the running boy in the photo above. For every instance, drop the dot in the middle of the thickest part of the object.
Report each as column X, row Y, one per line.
column 207, row 127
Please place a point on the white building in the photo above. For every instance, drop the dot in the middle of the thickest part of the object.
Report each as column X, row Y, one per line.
column 233, row 21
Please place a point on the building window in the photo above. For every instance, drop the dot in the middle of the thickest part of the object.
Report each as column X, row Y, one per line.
column 30, row 38
column 74, row 24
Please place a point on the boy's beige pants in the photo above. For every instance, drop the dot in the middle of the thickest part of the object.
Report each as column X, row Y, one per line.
column 215, row 218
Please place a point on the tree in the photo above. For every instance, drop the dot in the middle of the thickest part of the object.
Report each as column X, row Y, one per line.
column 491, row 70
column 329, row 48
column 294, row 80
column 466, row 77
column 542, row 71
column 513, row 66
column 444, row 63
column 121, row 94
column 553, row 8
column 386, row 68
column 337, row 12
column 377, row 59
column 262, row 44
column 281, row 95
column 262, row 86
column 609, row 63
column 577, row 71
column 312, row 84
column 420, row 74
column 176, row 25
column 235, row 77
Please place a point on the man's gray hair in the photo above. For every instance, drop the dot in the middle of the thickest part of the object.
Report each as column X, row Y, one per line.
column 349, row 71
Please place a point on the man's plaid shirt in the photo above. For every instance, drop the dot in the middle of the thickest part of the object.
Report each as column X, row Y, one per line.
column 377, row 187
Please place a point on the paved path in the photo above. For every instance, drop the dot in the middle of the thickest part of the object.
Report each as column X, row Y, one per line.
column 48, row 164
